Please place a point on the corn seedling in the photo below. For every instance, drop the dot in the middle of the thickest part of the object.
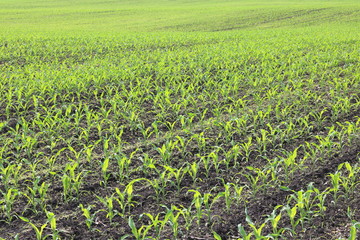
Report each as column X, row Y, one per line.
column 200, row 140
column 172, row 219
column 10, row 175
column 351, row 181
column 141, row 232
column 291, row 212
column 156, row 223
column 104, row 170
column 243, row 233
column 38, row 231
column 258, row 179
column 7, row 203
column 52, row 220
column 188, row 216
column 289, row 164
column 90, row 217
column 71, row 181
column 109, row 207
column 166, row 151
column 246, row 149
column 197, row 202
column 37, row 195
column 148, row 163
column 193, row 171
column 178, row 174
column 274, row 218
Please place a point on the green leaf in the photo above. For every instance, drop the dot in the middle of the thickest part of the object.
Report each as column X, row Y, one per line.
column 352, row 233
column 216, row 236
column 248, row 218
column 105, row 165
column 133, row 228
column 24, row 219
column 242, row 231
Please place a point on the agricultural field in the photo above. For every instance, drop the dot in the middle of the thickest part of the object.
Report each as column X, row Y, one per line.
column 177, row 119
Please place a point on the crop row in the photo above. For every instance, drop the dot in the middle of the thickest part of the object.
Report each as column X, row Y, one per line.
column 211, row 136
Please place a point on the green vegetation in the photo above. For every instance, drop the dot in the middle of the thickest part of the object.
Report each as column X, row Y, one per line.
column 95, row 17
column 179, row 119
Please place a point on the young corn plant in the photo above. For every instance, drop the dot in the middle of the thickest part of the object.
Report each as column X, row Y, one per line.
column 179, row 175
column 256, row 231
column 201, row 141
column 206, row 163
column 121, row 199
column 7, row 203
column 208, row 203
column 172, row 220
column 243, row 233
column 38, row 231
column 289, row 164
column 147, row 132
column 258, row 179
column 141, row 232
column 197, row 202
column 350, row 182
column 51, row 218
column 226, row 128
column 335, row 181
column 274, row 218
column 291, row 212
column 157, row 224
column 246, row 149
column 104, row 170
column 187, row 121
column 71, row 181
column 319, row 118
column 263, row 141
column 350, row 213
column 170, row 125
column 237, row 193
column 10, row 175
column 216, row 162
column 90, row 217
column 125, row 198
column 77, row 154
column 166, row 151
column 123, row 163
column 33, row 167
column 148, row 164
column 309, row 203
column 155, row 126
column 346, row 134
column 303, row 200
column 200, row 201
column 193, row 171
column 326, row 145
column 231, row 156
column 181, row 145
column 187, row 215
column 159, row 184
column 227, row 195
column 109, row 207
column 106, row 147
column 37, row 195
column 28, row 146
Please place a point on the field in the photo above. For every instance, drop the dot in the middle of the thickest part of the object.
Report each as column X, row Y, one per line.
column 177, row 119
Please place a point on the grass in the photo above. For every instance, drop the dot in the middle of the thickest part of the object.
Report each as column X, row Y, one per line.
column 152, row 16
column 179, row 120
